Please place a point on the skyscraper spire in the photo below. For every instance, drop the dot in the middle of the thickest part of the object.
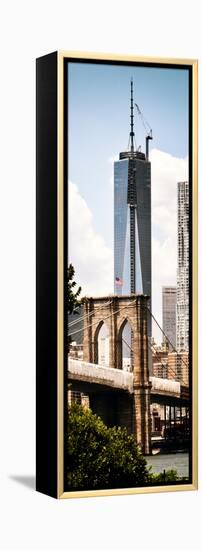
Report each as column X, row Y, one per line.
column 131, row 118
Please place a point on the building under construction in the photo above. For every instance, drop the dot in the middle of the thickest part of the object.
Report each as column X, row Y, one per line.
column 132, row 216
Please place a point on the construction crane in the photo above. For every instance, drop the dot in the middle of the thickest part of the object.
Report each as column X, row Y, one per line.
column 147, row 129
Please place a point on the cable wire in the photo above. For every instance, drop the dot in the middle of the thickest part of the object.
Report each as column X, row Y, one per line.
column 90, row 314
column 104, row 318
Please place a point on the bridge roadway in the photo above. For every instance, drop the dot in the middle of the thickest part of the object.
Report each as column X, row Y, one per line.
column 85, row 375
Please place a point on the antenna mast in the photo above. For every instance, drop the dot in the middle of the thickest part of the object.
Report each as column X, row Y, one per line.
column 131, row 118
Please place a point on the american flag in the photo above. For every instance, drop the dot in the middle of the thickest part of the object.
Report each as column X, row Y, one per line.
column 118, row 281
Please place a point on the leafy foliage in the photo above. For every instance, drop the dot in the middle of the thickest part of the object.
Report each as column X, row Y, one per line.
column 99, row 457
column 72, row 293
column 72, row 296
column 164, row 478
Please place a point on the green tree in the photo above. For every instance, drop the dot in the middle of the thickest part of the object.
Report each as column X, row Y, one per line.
column 72, row 293
column 99, row 457
column 72, row 296
column 167, row 477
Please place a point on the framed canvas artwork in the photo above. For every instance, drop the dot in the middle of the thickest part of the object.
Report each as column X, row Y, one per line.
column 116, row 374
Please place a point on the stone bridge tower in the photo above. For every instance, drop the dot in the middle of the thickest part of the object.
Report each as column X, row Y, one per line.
column 115, row 312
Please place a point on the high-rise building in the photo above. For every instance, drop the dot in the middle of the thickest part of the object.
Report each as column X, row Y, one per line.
column 159, row 361
column 160, row 370
column 132, row 219
column 178, row 367
column 183, row 268
column 103, row 350
column 169, row 294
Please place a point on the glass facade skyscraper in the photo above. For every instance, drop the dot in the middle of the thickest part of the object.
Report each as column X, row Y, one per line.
column 132, row 224
column 169, row 294
column 132, row 220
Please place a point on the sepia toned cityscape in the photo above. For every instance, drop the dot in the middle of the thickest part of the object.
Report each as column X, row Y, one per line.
column 127, row 364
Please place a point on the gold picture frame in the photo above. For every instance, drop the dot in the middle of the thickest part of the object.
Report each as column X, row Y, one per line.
column 50, row 72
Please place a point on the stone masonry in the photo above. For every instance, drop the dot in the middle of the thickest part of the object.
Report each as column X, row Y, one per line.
column 115, row 311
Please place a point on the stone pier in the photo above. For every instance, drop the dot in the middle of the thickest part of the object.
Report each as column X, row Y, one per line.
column 115, row 312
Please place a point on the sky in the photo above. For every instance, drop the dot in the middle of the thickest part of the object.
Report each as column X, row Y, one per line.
column 98, row 129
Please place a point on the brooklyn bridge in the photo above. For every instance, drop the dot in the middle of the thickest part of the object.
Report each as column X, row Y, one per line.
column 119, row 397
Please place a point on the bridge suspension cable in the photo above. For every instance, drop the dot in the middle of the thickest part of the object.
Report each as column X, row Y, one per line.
column 104, row 318
column 90, row 314
column 162, row 364
column 171, row 370
column 118, row 310
column 173, row 347
column 75, row 321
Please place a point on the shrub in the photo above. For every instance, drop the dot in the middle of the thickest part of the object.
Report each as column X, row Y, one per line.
column 99, row 457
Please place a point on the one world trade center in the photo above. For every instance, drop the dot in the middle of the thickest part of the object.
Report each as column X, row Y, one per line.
column 132, row 218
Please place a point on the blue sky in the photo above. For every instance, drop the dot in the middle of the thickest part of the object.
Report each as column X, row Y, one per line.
column 98, row 129
column 99, row 109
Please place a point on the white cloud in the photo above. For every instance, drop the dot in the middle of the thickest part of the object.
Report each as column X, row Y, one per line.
column 111, row 161
column 87, row 251
column 93, row 259
column 166, row 170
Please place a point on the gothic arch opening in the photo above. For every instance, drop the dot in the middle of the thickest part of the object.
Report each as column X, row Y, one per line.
column 101, row 345
column 125, row 345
